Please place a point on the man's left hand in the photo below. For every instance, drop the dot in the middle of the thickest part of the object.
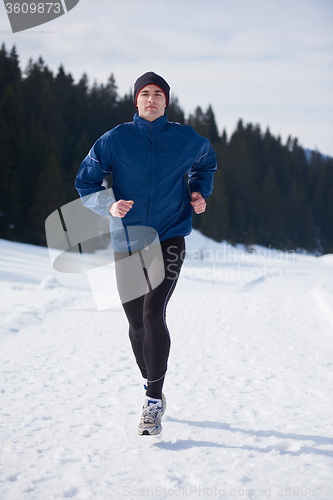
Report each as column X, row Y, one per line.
column 198, row 203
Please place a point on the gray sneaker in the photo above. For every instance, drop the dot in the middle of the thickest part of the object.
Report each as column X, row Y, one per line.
column 150, row 424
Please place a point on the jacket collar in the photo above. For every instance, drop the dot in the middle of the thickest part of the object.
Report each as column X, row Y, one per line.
column 157, row 124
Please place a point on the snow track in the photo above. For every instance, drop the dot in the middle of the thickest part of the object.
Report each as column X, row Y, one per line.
column 249, row 385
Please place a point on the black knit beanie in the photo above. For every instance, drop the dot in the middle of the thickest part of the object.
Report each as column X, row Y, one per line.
column 151, row 78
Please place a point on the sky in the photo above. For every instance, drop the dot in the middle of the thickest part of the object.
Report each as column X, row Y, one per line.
column 268, row 62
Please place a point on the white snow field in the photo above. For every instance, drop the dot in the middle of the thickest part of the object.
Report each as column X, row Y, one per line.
column 249, row 386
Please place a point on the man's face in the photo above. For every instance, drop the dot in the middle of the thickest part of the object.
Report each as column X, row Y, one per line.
column 151, row 102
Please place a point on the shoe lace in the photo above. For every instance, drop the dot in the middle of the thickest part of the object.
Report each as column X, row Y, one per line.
column 150, row 412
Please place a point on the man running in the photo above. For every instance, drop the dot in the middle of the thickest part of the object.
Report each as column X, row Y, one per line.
column 149, row 159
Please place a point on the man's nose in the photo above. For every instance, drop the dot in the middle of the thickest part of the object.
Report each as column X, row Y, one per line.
column 151, row 98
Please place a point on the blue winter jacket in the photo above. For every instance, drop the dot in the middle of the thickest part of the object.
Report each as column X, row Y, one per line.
column 148, row 161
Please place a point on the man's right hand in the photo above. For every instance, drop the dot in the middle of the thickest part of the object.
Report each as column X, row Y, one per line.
column 120, row 208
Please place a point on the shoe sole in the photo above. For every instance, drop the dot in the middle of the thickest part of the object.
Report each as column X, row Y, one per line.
column 147, row 433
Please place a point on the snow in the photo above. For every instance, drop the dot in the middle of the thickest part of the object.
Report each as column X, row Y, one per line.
column 249, row 386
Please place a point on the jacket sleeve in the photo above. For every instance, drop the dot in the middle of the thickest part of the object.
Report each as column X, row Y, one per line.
column 96, row 167
column 201, row 174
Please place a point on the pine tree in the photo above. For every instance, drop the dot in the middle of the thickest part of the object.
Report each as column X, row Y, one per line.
column 10, row 73
column 328, row 240
column 198, row 122
column 49, row 195
column 174, row 111
column 299, row 227
column 245, row 172
column 204, row 123
column 213, row 134
column 270, row 212
column 215, row 220
column 126, row 108
column 237, row 221
column 9, row 199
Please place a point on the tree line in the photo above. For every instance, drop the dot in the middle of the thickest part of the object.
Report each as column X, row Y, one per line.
column 265, row 192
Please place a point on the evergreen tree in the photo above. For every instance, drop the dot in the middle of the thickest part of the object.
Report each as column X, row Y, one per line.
column 49, row 195
column 126, row 109
column 198, row 122
column 270, row 212
column 328, row 237
column 204, row 123
column 10, row 73
column 213, row 134
column 214, row 222
column 237, row 221
column 299, row 226
column 245, row 172
column 174, row 111
column 9, row 199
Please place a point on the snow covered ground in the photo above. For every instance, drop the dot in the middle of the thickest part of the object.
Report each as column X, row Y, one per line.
column 249, row 387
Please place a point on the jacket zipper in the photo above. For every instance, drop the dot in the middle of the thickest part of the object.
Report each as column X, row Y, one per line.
column 151, row 170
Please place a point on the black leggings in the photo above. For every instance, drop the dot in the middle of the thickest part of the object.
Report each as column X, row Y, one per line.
column 146, row 315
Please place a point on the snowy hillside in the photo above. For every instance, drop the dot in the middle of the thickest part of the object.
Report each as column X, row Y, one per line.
column 249, row 386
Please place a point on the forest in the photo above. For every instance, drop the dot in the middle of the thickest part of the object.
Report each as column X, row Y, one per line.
column 265, row 192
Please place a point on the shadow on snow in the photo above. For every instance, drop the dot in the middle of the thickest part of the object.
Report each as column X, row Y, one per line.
column 190, row 443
